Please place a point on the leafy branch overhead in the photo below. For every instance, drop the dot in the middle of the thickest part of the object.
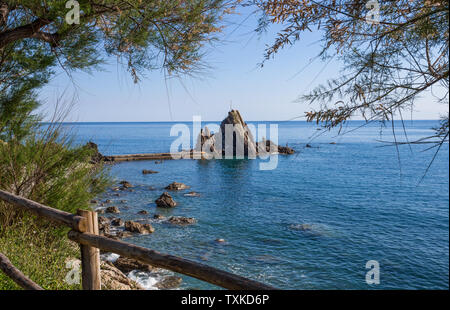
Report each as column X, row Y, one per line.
column 147, row 34
column 387, row 64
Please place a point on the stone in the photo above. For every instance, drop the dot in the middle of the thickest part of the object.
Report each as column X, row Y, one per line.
column 125, row 184
column 165, row 201
column 169, row 282
column 220, row 240
column 103, row 225
column 96, row 156
column 192, row 194
column 175, row 186
column 116, row 222
column 136, row 227
column 114, row 279
column 123, row 234
column 158, row 217
column 285, row 150
column 143, row 212
column 181, row 220
column 267, row 146
column 126, row 265
column 145, row 171
column 112, row 209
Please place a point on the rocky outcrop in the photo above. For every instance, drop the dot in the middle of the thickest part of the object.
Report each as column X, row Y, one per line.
column 233, row 134
column 165, row 201
column 103, row 225
column 268, row 146
column 241, row 143
column 123, row 234
column 169, row 282
column 114, row 279
column 96, row 156
column 112, row 209
column 136, row 227
column 175, row 186
column 126, row 265
column 181, row 220
column 117, row 222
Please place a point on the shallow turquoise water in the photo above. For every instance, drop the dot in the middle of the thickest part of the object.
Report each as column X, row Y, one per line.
column 360, row 202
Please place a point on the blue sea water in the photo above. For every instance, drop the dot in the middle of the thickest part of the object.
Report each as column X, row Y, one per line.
column 359, row 200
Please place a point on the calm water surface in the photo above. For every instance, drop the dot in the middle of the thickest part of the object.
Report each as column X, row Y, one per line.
column 360, row 204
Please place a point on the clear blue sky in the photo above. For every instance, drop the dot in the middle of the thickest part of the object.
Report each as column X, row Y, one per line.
column 266, row 93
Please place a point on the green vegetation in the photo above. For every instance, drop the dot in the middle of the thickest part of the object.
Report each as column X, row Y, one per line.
column 38, row 253
column 38, row 161
column 392, row 53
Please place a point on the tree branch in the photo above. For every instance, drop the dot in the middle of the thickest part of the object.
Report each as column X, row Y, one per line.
column 23, row 32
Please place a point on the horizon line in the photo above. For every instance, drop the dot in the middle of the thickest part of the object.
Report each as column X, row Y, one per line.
column 216, row 121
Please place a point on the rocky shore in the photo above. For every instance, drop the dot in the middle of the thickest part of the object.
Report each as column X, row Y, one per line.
column 119, row 272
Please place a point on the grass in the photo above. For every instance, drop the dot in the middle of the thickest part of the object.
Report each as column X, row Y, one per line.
column 40, row 251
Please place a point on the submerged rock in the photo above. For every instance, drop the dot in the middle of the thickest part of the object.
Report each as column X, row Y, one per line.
column 138, row 228
column 125, row 184
column 165, row 201
column 181, row 220
column 159, row 217
column 192, row 194
column 143, row 212
column 169, row 282
column 176, row 186
column 112, row 209
column 117, row 222
column 123, row 234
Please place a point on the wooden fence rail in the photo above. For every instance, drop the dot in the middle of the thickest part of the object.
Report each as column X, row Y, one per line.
column 76, row 222
column 85, row 232
column 16, row 275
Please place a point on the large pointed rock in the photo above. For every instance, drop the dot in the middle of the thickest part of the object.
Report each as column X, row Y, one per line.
column 165, row 201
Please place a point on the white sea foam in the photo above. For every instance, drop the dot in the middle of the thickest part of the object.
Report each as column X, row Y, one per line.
column 110, row 257
column 146, row 279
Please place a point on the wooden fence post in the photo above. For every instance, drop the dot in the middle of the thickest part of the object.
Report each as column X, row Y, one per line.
column 90, row 256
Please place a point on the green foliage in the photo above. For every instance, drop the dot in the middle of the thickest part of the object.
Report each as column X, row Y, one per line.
column 40, row 254
column 388, row 62
column 46, row 168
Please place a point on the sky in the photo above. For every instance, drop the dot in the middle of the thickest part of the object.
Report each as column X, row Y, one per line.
column 233, row 79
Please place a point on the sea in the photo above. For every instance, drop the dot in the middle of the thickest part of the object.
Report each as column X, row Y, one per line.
column 348, row 210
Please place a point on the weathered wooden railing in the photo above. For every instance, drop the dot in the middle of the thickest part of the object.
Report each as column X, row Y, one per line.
column 85, row 232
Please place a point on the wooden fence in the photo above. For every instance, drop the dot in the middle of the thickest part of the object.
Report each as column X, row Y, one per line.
column 85, row 232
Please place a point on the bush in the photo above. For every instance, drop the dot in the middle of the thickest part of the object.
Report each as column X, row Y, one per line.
column 44, row 167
